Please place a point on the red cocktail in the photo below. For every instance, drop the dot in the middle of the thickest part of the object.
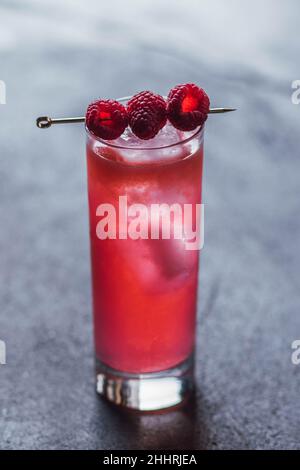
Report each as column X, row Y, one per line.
column 144, row 289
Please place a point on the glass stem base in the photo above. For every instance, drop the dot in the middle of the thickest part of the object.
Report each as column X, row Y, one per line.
column 146, row 392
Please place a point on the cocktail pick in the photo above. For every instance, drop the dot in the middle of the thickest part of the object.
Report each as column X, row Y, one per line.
column 44, row 122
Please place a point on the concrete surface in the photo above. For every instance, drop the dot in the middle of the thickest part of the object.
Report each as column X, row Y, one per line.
column 57, row 56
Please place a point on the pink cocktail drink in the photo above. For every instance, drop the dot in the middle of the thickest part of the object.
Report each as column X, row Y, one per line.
column 144, row 290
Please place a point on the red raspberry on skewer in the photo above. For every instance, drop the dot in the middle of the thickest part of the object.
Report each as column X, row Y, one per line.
column 106, row 119
column 146, row 114
column 187, row 107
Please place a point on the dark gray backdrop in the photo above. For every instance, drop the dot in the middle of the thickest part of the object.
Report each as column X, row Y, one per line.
column 55, row 57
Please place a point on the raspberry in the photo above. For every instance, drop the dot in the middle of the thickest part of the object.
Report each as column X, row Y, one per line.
column 106, row 119
column 187, row 107
column 147, row 114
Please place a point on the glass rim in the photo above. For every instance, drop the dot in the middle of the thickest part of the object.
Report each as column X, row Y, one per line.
column 109, row 143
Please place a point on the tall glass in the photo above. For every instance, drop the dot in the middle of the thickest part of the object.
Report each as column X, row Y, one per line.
column 144, row 281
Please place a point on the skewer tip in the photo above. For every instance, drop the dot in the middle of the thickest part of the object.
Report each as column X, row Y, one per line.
column 221, row 110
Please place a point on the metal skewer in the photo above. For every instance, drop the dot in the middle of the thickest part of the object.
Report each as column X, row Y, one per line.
column 44, row 122
column 221, row 110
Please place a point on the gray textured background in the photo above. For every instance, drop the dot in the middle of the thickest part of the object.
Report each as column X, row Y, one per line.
column 55, row 57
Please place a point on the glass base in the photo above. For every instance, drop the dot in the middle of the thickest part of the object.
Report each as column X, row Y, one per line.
column 146, row 392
